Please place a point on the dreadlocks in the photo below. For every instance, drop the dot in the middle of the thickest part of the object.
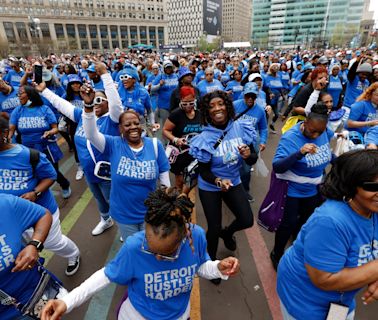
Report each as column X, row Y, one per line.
column 168, row 210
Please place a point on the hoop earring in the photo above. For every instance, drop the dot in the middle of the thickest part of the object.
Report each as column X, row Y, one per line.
column 346, row 200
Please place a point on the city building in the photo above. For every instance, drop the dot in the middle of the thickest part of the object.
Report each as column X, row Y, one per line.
column 81, row 25
column 309, row 23
column 191, row 19
column 236, row 20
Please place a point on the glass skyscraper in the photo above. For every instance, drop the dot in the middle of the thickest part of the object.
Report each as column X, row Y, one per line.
column 280, row 23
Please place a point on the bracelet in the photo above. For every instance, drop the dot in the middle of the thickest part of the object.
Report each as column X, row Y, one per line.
column 90, row 106
column 218, row 182
column 175, row 139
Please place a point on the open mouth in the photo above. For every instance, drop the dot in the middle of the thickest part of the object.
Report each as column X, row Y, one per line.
column 134, row 134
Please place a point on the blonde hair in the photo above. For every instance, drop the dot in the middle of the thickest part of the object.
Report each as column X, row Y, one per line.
column 366, row 95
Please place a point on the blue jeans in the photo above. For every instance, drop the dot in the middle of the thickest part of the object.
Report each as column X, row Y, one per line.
column 127, row 230
column 101, row 192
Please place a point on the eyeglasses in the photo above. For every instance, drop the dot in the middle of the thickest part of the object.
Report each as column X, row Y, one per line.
column 99, row 100
column 171, row 258
column 188, row 104
column 124, row 77
column 370, row 186
column 209, row 74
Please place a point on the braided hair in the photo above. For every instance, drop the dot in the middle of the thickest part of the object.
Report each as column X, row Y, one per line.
column 167, row 211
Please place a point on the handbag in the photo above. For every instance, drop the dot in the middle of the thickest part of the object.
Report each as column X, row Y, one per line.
column 272, row 208
column 49, row 287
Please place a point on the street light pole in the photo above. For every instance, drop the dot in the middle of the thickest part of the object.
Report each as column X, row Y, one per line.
column 296, row 32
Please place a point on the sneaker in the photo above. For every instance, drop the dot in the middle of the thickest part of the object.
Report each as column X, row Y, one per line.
column 79, row 173
column 250, row 198
column 102, row 226
column 272, row 129
column 229, row 241
column 73, row 266
column 274, row 259
column 66, row 193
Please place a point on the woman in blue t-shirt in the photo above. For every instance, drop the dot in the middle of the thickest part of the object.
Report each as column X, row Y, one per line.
column 158, row 265
column 336, row 252
column 38, row 128
column 108, row 108
column 301, row 157
column 19, row 275
column 219, row 167
column 335, row 85
column 73, row 96
column 28, row 174
column 364, row 112
column 234, row 87
column 136, row 164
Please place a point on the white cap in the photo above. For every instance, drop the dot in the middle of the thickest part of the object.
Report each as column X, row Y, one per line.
column 253, row 76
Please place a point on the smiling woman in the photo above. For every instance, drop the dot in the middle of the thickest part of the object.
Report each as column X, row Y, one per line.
column 335, row 254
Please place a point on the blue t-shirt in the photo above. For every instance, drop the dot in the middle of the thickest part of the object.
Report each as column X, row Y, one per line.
column 200, row 75
column 275, row 85
column 225, row 159
column 261, row 99
column 14, row 78
column 285, row 79
column 311, row 165
column 17, row 176
column 9, row 102
column 256, row 115
column 17, row 215
column 134, row 176
column 205, row 87
column 335, row 237
column 371, row 136
column 106, row 126
column 353, row 90
column 236, row 89
column 32, row 123
column 165, row 91
column 98, row 86
column 158, row 289
column 334, row 89
column 138, row 99
column 362, row 111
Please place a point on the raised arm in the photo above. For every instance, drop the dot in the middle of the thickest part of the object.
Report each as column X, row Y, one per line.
column 62, row 105
column 114, row 100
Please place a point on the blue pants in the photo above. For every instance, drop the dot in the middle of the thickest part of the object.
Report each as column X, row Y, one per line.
column 101, row 192
column 127, row 230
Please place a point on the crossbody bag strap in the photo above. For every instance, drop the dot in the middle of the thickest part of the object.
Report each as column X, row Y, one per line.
column 155, row 143
column 89, row 147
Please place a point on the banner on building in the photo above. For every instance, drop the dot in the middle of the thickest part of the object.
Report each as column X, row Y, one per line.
column 212, row 17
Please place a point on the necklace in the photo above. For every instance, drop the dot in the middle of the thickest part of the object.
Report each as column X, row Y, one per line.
column 137, row 151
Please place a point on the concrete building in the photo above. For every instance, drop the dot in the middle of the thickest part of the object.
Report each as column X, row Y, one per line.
column 82, row 25
column 236, row 20
column 288, row 23
column 191, row 19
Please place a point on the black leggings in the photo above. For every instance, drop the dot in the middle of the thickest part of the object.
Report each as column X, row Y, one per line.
column 296, row 213
column 237, row 201
column 61, row 179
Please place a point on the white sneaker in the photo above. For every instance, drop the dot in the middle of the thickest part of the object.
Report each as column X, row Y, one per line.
column 79, row 173
column 102, row 226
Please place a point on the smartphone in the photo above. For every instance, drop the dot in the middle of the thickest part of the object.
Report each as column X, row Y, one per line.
column 37, row 74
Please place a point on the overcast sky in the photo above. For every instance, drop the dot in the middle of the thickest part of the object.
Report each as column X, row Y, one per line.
column 374, row 7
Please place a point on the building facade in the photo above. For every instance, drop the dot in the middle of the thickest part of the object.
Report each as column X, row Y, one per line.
column 236, row 20
column 82, row 25
column 310, row 23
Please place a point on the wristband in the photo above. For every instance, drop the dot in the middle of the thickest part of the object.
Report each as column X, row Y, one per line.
column 37, row 193
column 175, row 139
column 89, row 106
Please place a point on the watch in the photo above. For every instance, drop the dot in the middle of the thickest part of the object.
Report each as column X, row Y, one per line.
column 37, row 193
column 36, row 243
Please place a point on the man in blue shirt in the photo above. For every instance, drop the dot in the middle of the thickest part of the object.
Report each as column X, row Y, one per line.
column 8, row 98
column 13, row 77
column 97, row 83
column 256, row 115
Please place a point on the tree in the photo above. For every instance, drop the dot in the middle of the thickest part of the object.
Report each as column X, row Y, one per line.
column 337, row 38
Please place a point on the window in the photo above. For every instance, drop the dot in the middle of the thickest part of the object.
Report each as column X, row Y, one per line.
column 71, row 32
column 20, row 26
column 82, row 29
column 59, row 31
column 45, row 30
column 143, row 34
column 133, row 35
column 124, row 37
column 104, row 36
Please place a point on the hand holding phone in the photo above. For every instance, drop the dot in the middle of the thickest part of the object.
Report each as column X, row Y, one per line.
column 37, row 74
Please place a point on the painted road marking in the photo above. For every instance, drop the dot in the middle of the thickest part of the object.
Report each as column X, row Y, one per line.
column 71, row 218
column 265, row 269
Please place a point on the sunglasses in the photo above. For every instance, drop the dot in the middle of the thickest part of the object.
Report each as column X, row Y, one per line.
column 370, row 186
column 124, row 77
column 188, row 104
column 99, row 100
column 171, row 258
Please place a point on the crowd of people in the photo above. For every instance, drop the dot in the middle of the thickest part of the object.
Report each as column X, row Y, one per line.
column 132, row 118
